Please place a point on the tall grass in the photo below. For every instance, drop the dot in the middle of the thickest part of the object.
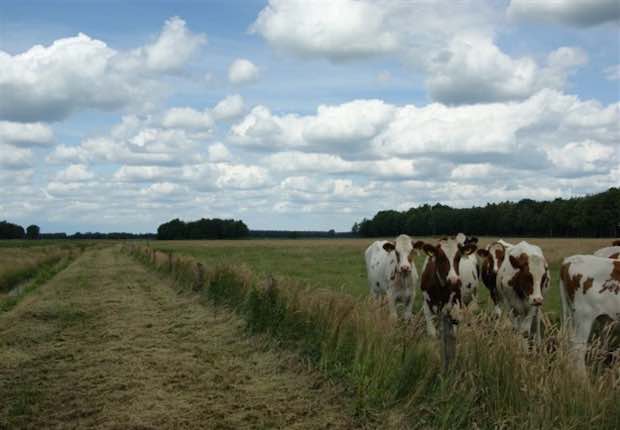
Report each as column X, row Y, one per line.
column 10, row 277
column 493, row 383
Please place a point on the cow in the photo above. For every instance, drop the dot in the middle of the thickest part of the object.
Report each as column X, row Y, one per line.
column 608, row 252
column 522, row 280
column 616, row 243
column 440, row 281
column 489, row 262
column 392, row 273
column 589, row 288
column 469, row 273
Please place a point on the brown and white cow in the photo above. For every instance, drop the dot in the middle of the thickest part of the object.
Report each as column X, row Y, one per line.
column 522, row 280
column 440, row 281
column 589, row 288
column 489, row 262
column 392, row 273
column 608, row 252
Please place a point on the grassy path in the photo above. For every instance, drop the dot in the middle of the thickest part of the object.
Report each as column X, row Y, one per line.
column 107, row 344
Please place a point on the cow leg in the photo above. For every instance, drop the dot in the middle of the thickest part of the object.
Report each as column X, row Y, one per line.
column 430, row 320
column 409, row 299
column 579, row 342
column 391, row 297
column 473, row 306
column 497, row 311
column 525, row 325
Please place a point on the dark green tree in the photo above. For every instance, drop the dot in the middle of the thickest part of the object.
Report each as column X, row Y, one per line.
column 32, row 232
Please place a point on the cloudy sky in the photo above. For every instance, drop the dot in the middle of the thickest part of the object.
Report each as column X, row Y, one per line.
column 300, row 114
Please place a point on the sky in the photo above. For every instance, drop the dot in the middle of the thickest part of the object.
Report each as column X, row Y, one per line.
column 300, row 114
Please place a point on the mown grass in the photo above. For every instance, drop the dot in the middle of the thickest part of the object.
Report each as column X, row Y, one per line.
column 24, row 267
column 493, row 383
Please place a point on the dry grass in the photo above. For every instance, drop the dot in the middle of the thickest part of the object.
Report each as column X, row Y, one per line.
column 107, row 344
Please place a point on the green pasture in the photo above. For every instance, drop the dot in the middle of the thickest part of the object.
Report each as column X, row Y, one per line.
column 338, row 264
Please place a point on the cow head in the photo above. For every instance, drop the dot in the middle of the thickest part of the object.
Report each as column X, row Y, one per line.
column 531, row 277
column 462, row 239
column 403, row 246
column 489, row 261
column 446, row 256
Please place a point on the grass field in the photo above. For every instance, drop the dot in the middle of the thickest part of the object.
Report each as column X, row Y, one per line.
column 339, row 264
column 109, row 344
column 138, row 339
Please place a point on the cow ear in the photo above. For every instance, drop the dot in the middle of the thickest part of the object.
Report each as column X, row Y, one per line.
column 467, row 249
column 389, row 246
column 483, row 253
column 515, row 262
column 417, row 245
column 430, row 250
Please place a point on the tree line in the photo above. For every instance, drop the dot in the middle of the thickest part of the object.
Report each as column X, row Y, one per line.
column 203, row 228
column 13, row 231
column 596, row 215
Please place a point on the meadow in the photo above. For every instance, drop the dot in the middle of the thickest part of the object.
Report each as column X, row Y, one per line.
column 315, row 308
column 394, row 369
column 338, row 264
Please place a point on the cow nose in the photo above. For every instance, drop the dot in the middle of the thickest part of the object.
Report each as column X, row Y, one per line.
column 537, row 301
column 405, row 269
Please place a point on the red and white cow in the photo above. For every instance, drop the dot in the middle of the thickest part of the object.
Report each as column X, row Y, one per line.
column 608, row 252
column 489, row 262
column 440, row 281
column 522, row 280
column 392, row 273
column 589, row 288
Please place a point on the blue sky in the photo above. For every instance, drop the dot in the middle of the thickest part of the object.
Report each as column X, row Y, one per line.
column 300, row 114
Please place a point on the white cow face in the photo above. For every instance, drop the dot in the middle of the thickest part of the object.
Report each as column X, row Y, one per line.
column 447, row 254
column 403, row 246
column 531, row 277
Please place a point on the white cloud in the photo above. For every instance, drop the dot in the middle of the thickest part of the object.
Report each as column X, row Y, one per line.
column 453, row 44
column 386, row 141
column 612, row 73
column 145, row 173
column 341, row 128
column 48, row 83
column 229, row 107
column 141, row 141
column 219, row 152
column 15, row 158
column 75, row 173
column 162, row 188
column 28, row 134
column 473, row 69
column 173, row 48
column 583, row 158
column 188, row 118
column 337, row 29
column 242, row 71
column 239, row 176
column 580, row 13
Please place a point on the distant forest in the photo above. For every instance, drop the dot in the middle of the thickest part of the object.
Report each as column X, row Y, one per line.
column 596, row 215
column 203, row 229
column 14, row 231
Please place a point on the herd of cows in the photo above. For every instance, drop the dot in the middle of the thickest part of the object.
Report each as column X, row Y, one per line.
column 516, row 275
